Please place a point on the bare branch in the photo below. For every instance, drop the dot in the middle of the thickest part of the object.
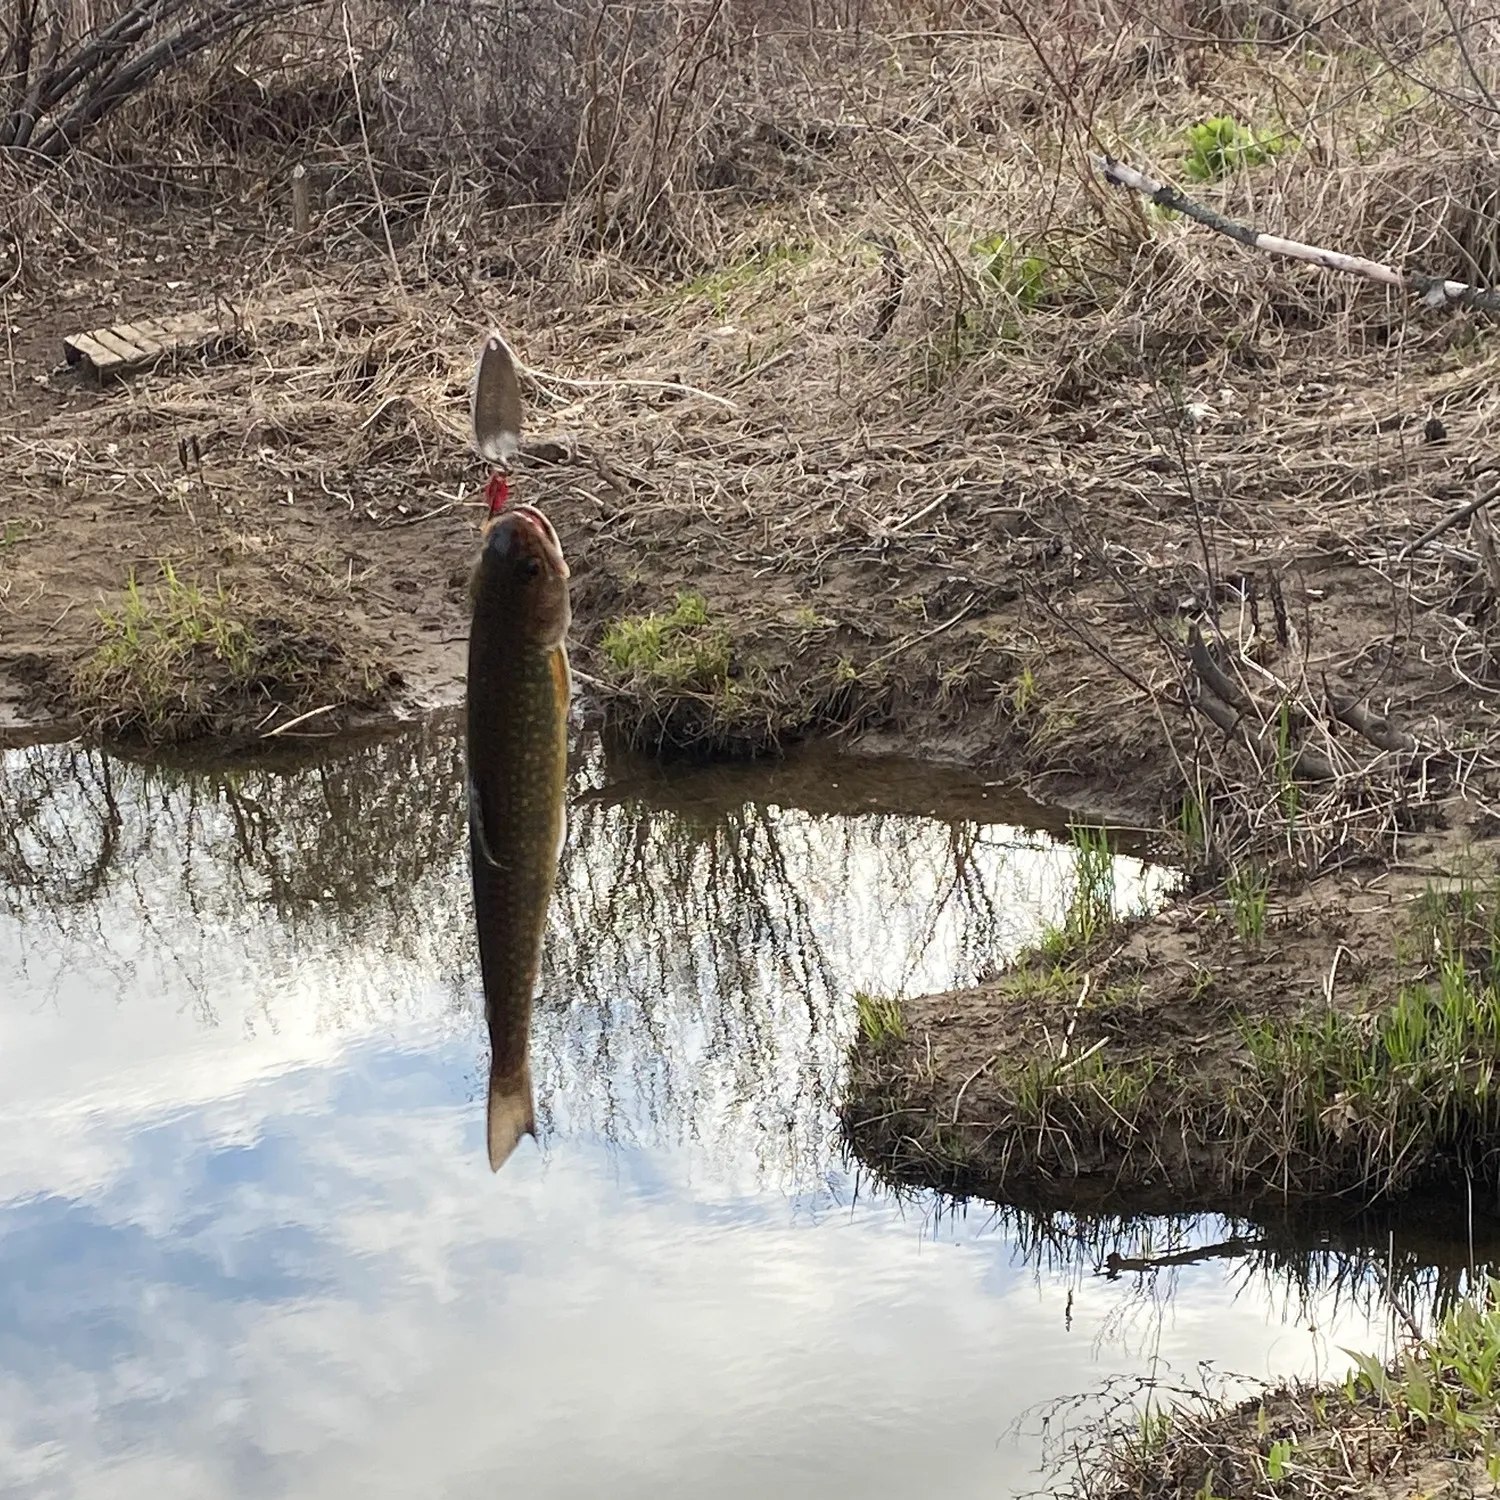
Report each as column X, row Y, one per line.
column 1435, row 291
column 1377, row 729
column 1487, row 492
column 82, row 76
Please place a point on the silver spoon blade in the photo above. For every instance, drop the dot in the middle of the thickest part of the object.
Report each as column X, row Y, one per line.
column 495, row 404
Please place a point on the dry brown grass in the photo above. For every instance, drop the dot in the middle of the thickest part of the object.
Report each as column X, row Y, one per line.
column 953, row 366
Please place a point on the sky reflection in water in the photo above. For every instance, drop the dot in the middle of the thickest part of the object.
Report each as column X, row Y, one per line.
column 249, row 1244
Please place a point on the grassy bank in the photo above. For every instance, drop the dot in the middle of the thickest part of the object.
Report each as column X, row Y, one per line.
column 175, row 662
column 1427, row 1424
column 1239, row 1046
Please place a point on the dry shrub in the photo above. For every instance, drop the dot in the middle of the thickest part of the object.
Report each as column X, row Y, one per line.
column 637, row 115
column 66, row 66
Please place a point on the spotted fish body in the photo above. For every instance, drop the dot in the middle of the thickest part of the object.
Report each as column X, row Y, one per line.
column 519, row 690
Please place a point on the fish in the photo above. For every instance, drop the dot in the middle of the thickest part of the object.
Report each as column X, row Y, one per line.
column 519, row 692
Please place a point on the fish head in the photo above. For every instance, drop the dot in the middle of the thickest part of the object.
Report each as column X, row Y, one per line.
column 522, row 576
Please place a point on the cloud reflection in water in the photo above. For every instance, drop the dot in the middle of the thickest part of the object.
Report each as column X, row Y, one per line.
column 248, row 1237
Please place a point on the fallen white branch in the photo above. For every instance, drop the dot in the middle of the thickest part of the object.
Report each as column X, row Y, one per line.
column 1435, row 291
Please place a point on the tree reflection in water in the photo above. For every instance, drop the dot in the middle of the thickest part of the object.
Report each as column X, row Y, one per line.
column 708, row 933
column 703, row 947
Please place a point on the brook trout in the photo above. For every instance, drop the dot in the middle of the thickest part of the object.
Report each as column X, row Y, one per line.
column 519, row 689
column 518, row 696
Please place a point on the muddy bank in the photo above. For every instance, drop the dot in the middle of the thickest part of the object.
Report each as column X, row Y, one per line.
column 1001, row 595
column 1421, row 1422
column 1340, row 1041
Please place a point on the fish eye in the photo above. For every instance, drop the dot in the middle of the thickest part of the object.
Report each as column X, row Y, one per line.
column 530, row 567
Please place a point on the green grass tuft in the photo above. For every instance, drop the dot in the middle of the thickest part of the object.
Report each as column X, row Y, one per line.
column 880, row 1019
column 1419, row 1079
column 1012, row 268
column 1091, row 910
column 1249, row 890
column 1220, row 146
column 677, row 650
column 177, row 660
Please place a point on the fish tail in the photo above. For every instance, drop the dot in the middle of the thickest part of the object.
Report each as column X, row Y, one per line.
column 510, row 1112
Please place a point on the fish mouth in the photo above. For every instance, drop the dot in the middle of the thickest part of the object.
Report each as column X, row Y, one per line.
column 539, row 531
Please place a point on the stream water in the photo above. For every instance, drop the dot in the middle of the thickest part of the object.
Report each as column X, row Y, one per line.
column 250, row 1245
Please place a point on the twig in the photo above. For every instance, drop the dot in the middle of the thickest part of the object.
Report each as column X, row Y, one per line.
column 1083, row 1057
column 1483, row 498
column 1333, row 974
column 598, row 685
column 364, row 135
column 959, row 1097
column 574, row 383
column 757, row 370
column 312, row 713
column 1083, row 995
column 1435, row 291
column 426, row 515
column 1394, row 1297
column 926, row 635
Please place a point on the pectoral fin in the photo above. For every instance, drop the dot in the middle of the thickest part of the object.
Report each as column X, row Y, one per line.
column 476, row 825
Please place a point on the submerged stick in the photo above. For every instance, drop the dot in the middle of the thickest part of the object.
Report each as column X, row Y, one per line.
column 1435, row 291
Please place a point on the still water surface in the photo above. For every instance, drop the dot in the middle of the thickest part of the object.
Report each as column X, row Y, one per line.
column 250, row 1245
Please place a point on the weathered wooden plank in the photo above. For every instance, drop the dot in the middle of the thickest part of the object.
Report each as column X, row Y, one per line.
column 82, row 345
column 125, row 348
column 122, row 349
column 142, row 335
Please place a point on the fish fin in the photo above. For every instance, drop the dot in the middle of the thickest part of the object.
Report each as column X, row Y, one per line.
column 562, row 680
column 476, row 826
column 562, row 683
column 495, row 403
column 509, row 1113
